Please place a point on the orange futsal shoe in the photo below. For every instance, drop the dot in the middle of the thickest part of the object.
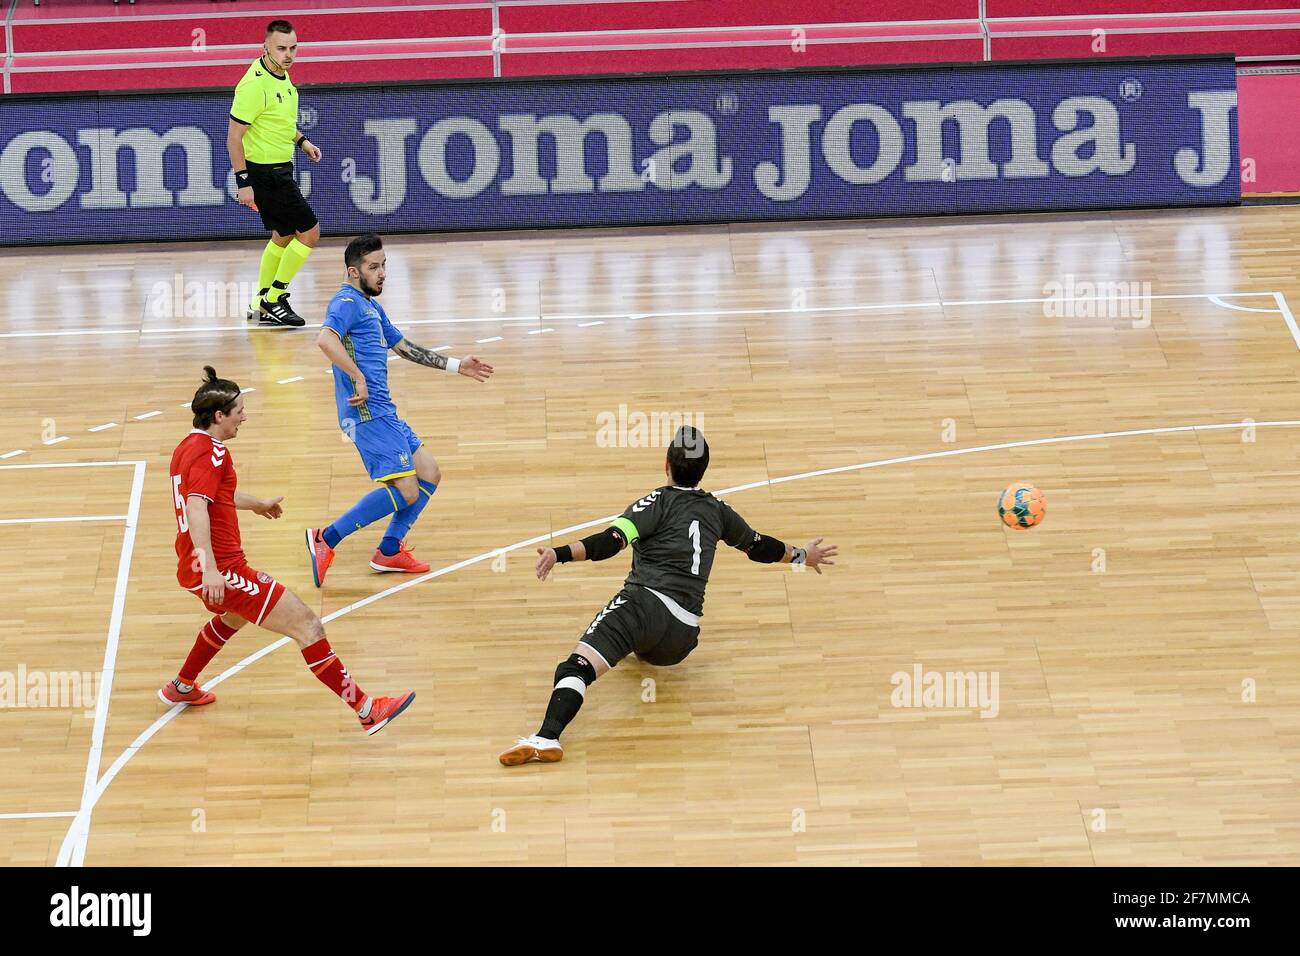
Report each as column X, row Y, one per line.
column 169, row 693
column 401, row 561
column 320, row 554
column 384, row 709
column 532, row 748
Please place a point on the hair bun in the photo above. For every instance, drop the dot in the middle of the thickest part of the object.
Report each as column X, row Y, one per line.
column 212, row 373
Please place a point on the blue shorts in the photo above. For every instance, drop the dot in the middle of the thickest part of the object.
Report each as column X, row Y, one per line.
column 387, row 447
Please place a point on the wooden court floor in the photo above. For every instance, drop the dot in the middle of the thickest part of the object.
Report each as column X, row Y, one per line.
column 1137, row 652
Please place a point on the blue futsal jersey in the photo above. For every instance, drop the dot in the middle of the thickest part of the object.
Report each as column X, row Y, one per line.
column 367, row 335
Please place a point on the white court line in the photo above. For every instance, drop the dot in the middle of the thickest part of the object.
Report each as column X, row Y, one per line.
column 1161, row 295
column 13, row 454
column 47, row 335
column 286, row 381
column 479, row 319
column 934, row 304
column 56, row 441
column 1172, row 429
column 858, row 307
column 33, row 816
column 1285, row 309
column 57, row 520
column 73, row 850
column 100, row 428
column 209, row 329
column 539, row 331
column 205, row 329
column 69, row 464
column 585, row 325
column 147, row 734
column 584, row 315
column 140, row 418
column 1238, row 308
column 491, row 338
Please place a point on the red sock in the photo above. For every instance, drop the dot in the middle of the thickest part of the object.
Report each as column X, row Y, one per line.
column 329, row 670
column 211, row 639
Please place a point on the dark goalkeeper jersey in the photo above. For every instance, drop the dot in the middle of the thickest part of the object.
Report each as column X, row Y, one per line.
column 674, row 533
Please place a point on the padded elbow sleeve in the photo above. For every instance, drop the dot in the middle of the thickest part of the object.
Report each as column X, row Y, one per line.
column 767, row 550
column 604, row 545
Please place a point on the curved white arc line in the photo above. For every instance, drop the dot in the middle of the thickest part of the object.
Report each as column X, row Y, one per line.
column 1064, row 439
column 1240, row 308
column 158, row 724
column 162, row 721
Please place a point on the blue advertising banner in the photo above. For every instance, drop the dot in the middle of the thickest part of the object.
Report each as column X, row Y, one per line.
column 689, row 147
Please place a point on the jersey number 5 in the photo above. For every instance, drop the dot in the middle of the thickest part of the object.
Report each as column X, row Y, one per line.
column 694, row 532
column 182, row 517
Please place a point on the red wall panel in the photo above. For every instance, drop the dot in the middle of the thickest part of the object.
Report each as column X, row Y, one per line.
column 1268, row 114
column 1066, row 8
column 138, row 32
column 664, row 14
column 654, row 61
column 1279, row 43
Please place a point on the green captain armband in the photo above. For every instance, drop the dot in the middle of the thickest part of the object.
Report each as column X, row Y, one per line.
column 627, row 528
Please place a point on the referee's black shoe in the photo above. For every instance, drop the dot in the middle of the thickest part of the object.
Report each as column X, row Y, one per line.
column 255, row 310
column 279, row 312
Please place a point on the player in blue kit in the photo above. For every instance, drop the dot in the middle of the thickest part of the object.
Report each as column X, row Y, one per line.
column 356, row 338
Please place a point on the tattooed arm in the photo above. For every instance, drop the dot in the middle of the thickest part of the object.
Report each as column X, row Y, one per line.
column 472, row 367
column 420, row 355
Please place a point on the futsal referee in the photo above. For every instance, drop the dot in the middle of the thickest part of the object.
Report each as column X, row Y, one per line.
column 263, row 134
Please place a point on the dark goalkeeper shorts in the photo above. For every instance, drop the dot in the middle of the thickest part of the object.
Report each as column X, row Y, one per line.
column 279, row 200
column 638, row 622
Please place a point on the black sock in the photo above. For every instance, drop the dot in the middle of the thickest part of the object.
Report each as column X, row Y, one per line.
column 572, row 678
column 564, row 706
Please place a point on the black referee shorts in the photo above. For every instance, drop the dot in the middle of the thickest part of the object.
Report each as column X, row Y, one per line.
column 636, row 621
column 279, row 201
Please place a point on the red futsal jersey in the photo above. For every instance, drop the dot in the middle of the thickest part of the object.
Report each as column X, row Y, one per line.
column 201, row 465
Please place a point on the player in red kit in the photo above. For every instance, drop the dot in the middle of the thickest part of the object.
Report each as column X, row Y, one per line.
column 211, row 563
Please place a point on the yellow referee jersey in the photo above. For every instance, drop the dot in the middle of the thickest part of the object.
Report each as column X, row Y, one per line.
column 268, row 105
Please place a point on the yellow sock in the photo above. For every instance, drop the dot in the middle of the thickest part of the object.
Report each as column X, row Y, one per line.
column 291, row 260
column 271, row 257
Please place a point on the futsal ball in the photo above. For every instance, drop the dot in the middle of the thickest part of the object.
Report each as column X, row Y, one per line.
column 1021, row 506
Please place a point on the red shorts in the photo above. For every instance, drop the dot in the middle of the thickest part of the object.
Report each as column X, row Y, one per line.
column 249, row 593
